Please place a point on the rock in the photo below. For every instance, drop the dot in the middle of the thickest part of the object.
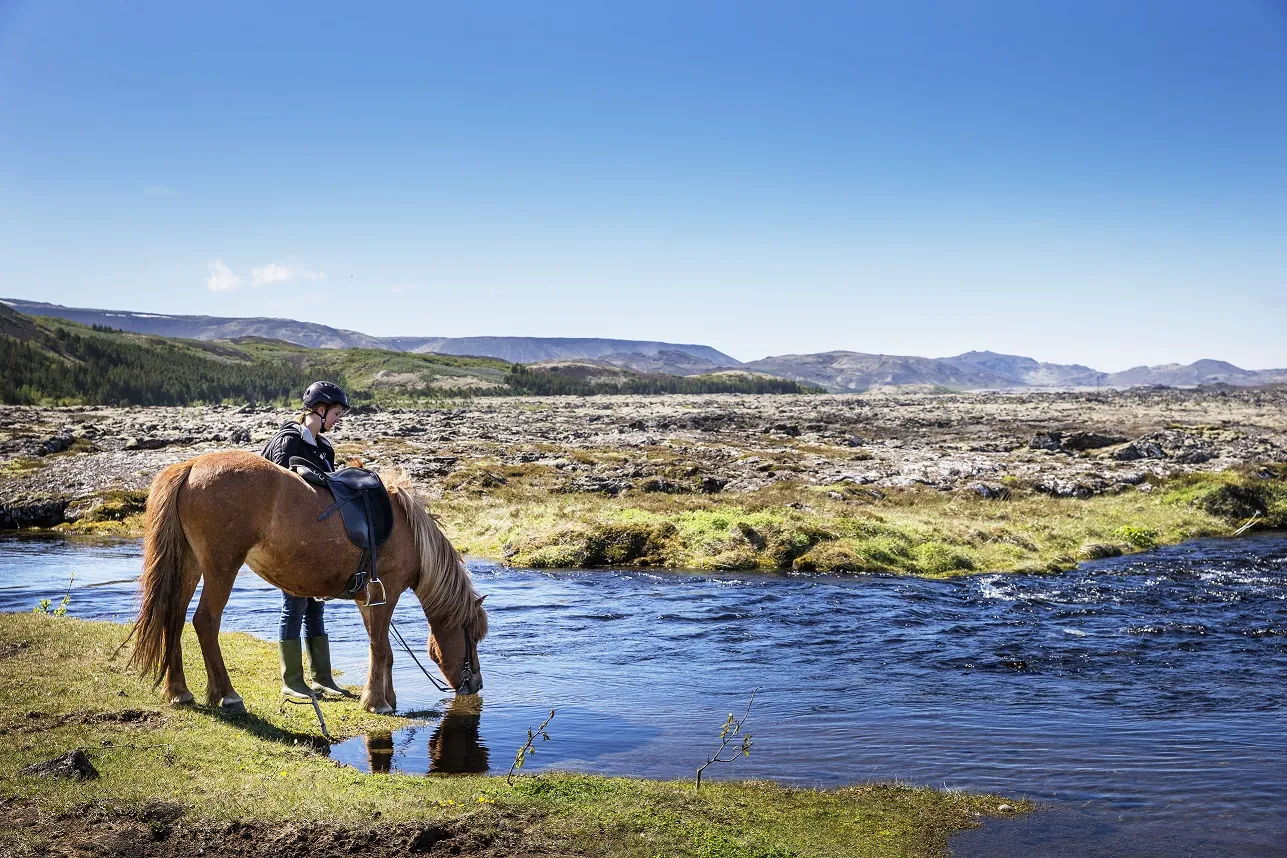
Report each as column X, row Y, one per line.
column 154, row 443
column 56, row 444
column 784, row 429
column 239, row 436
column 1056, row 487
column 73, row 765
column 1046, row 441
column 989, row 491
column 45, row 513
column 1140, row 449
column 711, row 485
column 595, row 484
column 663, row 485
column 1079, row 441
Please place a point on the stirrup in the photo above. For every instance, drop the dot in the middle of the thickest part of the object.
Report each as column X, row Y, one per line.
column 369, row 603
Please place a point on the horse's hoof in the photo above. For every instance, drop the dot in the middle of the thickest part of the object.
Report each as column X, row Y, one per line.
column 384, row 710
column 183, row 699
column 233, row 704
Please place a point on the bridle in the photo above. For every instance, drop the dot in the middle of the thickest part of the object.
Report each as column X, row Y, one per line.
column 466, row 670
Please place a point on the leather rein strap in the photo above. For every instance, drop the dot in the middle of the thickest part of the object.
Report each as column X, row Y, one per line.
column 466, row 672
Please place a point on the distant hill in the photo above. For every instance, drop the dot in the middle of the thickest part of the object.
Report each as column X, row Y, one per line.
column 669, row 361
column 853, row 372
column 1026, row 372
column 204, row 327
column 836, row 371
column 1194, row 374
column 54, row 361
column 849, row 372
column 511, row 349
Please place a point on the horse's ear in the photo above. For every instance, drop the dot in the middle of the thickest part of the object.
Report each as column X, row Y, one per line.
column 479, row 603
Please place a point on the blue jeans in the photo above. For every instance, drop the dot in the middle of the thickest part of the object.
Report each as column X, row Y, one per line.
column 301, row 610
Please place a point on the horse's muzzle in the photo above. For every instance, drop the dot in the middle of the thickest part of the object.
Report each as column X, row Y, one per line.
column 472, row 685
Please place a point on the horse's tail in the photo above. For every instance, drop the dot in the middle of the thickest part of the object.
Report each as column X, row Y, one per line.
column 161, row 608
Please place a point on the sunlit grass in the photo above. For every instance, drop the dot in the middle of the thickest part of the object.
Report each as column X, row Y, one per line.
column 61, row 676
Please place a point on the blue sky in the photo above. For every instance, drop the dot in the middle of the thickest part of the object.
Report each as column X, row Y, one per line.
column 1092, row 182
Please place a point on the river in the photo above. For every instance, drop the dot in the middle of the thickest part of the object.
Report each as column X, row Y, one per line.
column 1140, row 699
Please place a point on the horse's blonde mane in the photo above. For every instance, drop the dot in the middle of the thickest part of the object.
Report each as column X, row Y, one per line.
column 444, row 588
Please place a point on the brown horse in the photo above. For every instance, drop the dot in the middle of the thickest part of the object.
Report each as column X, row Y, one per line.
column 208, row 516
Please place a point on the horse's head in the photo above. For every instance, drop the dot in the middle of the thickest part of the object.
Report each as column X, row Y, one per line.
column 455, row 650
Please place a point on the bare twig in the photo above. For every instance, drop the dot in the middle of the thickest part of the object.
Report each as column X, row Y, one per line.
column 528, row 748
column 731, row 730
column 1249, row 523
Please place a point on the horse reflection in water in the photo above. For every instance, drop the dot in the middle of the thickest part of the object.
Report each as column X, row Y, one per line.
column 454, row 747
column 379, row 752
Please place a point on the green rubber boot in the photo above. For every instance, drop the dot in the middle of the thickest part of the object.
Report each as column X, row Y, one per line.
column 319, row 666
column 292, row 657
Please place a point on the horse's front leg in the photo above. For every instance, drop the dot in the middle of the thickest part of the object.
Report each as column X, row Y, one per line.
column 378, row 696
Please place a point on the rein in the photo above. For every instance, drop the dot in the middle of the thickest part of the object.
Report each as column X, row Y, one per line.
column 466, row 672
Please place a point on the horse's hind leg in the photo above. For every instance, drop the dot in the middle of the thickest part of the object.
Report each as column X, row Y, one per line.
column 176, row 685
column 219, row 576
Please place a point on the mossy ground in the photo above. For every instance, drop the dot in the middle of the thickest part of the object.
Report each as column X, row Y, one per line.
column 512, row 512
column 65, row 687
column 848, row 528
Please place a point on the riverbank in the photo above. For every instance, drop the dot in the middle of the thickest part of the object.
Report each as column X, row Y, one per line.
column 174, row 781
column 924, row 485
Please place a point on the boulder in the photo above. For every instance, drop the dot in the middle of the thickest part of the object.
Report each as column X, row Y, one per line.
column 1140, row 449
column 43, row 513
column 56, row 444
column 1056, row 487
column 1046, row 441
column 1079, row 441
column 989, row 491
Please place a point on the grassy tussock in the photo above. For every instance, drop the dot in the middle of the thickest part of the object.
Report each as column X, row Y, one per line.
column 847, row 529
column 59, row 674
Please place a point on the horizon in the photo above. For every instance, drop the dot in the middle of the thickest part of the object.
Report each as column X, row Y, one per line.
column 666, row 342
column 1100, row 185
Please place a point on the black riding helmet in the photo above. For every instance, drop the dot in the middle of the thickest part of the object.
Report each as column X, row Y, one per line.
column 324, row 393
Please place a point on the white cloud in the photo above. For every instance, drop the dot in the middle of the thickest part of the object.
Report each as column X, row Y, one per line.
column 280, row 272
column 222, row 278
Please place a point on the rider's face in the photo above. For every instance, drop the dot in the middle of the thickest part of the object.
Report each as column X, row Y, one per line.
column 332, row 417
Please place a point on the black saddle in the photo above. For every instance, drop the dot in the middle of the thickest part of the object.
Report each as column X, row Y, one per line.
column 367, row 513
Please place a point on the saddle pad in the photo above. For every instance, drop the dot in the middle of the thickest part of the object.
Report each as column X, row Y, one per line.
column 364, row 505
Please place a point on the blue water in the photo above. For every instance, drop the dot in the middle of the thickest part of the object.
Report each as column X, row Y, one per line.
column 1141, row 699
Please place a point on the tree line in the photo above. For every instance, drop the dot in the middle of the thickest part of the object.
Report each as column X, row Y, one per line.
column 67, row 366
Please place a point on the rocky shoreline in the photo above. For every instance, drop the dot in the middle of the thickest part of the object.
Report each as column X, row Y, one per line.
column 94, row 463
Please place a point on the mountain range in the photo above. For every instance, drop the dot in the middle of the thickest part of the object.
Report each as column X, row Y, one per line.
column 835, row 371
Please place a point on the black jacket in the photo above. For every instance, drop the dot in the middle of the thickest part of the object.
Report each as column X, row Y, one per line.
column 288, row 442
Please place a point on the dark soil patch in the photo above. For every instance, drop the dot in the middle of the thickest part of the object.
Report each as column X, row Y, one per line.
column 9, row 650
column 158, row 830
column 73, row 765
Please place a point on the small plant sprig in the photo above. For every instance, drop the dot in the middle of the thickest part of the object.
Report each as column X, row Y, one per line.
column 731, row 730
column 528, row 748
column 61, row 610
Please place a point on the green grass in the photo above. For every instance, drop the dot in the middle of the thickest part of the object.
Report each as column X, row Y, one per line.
column 62, row 682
